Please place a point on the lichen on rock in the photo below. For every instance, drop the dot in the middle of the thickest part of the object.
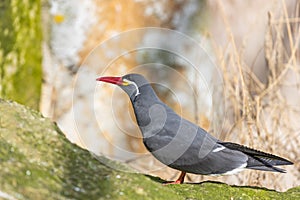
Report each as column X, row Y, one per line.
column 21, row 51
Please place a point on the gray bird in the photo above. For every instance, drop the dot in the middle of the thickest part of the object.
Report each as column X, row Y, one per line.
column 181, row 144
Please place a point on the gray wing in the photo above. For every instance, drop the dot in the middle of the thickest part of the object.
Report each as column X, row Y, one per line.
column 183, row 145
column 206, row 156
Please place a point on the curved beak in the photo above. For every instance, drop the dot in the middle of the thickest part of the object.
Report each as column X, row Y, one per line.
column 111, row 79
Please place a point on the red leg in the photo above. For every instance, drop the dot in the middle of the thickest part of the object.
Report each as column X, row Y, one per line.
column 180, row 180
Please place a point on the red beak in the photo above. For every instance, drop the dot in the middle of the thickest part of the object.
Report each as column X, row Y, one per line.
column 111, row 79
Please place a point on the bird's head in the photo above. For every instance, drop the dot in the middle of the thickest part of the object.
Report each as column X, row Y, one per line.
column 130, row 83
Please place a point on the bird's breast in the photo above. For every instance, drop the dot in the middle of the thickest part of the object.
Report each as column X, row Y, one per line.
column 151, row 120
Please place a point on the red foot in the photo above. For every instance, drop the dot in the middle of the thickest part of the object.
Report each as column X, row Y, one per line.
column 174, row 182
column 180, row 180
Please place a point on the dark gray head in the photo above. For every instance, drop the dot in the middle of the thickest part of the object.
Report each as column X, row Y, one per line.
column 132, row 84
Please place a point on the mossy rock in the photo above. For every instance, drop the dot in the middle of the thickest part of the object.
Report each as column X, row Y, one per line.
column 38, row 162
column 21, row 51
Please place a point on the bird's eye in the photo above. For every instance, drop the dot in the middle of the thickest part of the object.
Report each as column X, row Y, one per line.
column 126, row 82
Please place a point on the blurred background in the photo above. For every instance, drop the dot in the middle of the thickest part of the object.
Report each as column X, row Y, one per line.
column 230, row 66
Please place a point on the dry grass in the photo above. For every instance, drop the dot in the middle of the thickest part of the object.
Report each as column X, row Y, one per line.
column 260, row 112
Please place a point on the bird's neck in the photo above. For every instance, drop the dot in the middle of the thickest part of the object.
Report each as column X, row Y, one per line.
column 144, row 96
column 142, row 103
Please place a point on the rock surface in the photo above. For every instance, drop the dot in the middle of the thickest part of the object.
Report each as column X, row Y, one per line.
column 38, row 162
column 21, row 51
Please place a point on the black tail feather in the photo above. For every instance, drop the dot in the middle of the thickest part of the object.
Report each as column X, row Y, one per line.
column 259, row 160
column 261, row 164
column 265, row 168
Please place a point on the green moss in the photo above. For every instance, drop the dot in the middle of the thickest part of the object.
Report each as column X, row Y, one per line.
column 38, row 162
column 20, row 51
